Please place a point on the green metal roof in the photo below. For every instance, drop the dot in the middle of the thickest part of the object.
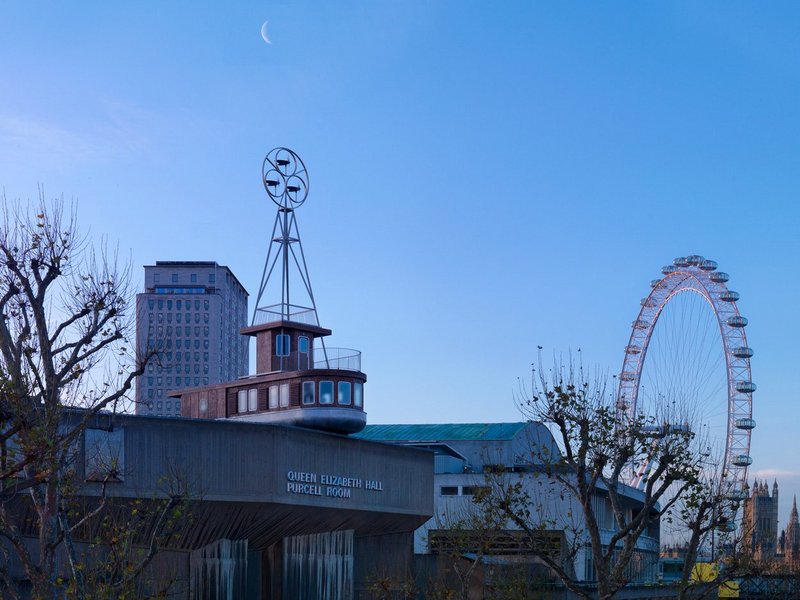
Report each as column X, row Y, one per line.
column 441, row 432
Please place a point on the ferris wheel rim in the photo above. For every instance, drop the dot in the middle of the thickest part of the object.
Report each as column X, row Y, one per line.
column 696, row 277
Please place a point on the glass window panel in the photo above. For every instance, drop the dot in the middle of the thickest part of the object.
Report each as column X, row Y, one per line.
column 326, row 392
column 344, row 393
column 273, row 396
column 358, row 394
column 302, row 344
column 308, row 392
column 242, row 404
column 284, row 394
column 252, row 400
column 282, row 344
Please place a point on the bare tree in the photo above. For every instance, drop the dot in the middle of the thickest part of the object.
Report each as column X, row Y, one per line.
column 65, row 356
column 600, row 448
column 705, row 518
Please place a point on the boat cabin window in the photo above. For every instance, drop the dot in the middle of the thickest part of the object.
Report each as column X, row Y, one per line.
column 344, row 393
column 302, row 344
column 282, row 342
column 308, row 392
column 358, row 394
column 274, row 392
column 284, row 395
column 326, row 392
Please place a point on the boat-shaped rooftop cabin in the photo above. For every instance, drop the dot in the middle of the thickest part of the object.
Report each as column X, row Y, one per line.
column 297, row 381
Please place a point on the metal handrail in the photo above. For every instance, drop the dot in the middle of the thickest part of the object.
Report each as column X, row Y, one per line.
column 276, row 312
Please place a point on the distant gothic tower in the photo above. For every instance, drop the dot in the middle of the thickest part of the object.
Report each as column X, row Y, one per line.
column 791, row 536
column 760, row 521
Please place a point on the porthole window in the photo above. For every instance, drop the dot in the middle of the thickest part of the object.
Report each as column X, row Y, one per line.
column 308, row 392
column 326, row 392
column 344, row 393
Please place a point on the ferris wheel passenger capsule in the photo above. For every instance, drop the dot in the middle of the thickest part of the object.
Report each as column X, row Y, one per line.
column 742, row 460
column 641, row 324
column 627, row 376
column 729, row 296
column 745, row 423
column 737, row 495
column 719, row 277
column 742, row 352
column 633, row 349
column 737, row 321
column 694, row 260
column 681, row 262
column 708, row 265
column 669, row 269
column 746, row 387
column 654, row 283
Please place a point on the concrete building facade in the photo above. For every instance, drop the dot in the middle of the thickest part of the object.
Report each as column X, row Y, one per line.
column 471, row 456
column 190, row 313
column 272, row 512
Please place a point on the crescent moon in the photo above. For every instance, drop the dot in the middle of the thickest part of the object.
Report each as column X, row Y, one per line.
column 264, row 35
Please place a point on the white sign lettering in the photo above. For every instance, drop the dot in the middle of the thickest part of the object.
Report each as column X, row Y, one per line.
column 331, row 486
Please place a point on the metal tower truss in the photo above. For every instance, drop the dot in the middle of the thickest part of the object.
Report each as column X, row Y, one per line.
column 286, row 181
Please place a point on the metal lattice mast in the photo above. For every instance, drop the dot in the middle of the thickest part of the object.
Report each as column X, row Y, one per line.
column 285, row 179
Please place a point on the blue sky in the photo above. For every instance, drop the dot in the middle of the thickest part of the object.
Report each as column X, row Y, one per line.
column 486, row 177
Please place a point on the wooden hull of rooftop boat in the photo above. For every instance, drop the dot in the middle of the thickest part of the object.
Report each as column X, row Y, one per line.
column 335, row 419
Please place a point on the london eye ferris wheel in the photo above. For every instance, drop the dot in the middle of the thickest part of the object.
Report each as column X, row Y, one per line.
column 688, row 346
